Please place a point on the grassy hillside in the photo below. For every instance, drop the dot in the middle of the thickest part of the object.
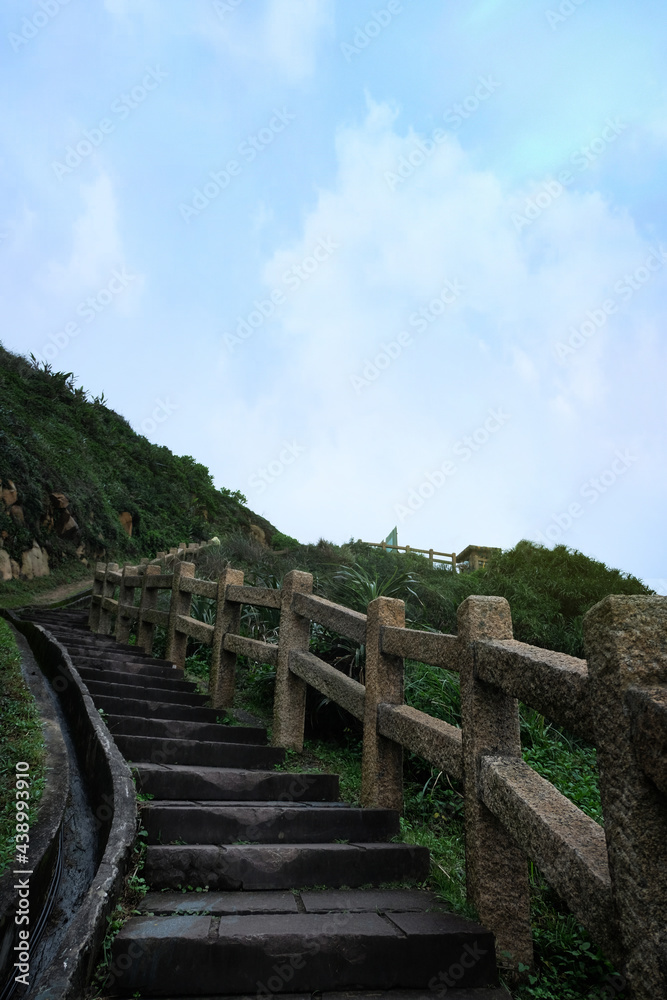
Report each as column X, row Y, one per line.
column 55, row 439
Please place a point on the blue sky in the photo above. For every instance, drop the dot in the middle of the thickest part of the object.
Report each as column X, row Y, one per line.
column 372, row 264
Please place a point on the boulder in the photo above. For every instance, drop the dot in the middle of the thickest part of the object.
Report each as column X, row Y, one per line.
column 59, row 500
column 17, row 513
column 258, row 534
column 5, row 565
column 9, row 493
column 34, row 563
column 68, row 528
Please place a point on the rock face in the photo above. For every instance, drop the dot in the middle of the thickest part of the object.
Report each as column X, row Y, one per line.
column 65, row 525
column 258, row 534
column 9, row 493
column 126, row 521
column 5, row 565
column 34, row 563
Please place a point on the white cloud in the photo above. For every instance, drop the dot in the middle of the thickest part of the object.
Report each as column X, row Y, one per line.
column 448, row 220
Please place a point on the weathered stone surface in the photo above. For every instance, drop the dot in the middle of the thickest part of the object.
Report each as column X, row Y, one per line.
column 284, row 866
column 440, row 649
column 5, row 565
column 433, row 739
column 334, row 616
column 496, row 869
column 553, row 683
column 648, row 710
column 567, row 846
column 17, row 513
column 626, row 647
column 289, row 702
column 59, row 501
column 128, row 725
column 218, row 903
column 344, row 690
column 177, row 781
column 174, row 751
column 34, row 563
column 381, row 758
column 366, row 900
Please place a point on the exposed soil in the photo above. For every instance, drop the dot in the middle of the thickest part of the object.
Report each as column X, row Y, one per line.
column 63, row 591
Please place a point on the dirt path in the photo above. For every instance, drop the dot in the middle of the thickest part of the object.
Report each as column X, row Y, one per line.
column 61, row 592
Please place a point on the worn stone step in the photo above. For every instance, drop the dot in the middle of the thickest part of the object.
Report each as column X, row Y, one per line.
column 150, row 708
column 323, row 901
column 114, row 651
column 110, row 689
column 265, row 823
column 136, row 679
column 280, row 953
column 142, row 668
column 129, row 725
column 166, row 750
column 178, row 781
column 283, row 866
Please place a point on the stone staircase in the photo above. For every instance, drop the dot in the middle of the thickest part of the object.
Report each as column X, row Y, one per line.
column 297, row 890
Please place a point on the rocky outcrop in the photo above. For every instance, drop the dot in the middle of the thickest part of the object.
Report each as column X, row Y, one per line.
column 125, row 519
column 34, row 563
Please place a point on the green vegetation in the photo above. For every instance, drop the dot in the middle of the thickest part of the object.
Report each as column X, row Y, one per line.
column 55, row 439
column 19, row 593
column 20, row 740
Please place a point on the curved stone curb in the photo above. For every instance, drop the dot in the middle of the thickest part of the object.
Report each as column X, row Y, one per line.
column 111, row 791
column 45, row 832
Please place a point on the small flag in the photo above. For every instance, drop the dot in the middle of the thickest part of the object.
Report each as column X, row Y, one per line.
column 392, row 539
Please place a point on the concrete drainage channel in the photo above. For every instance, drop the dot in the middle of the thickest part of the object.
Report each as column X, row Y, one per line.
column 222, row 821
column 83, row 836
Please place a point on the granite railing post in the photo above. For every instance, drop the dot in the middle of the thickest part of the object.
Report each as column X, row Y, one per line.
column 496, row 870
column 180, row 605
column 94, row 615
column 227, row 619
column 289, row 705
column 148, row 602
column 125, row 596
column 626, row 649
column 104, row 626
column 382, row 758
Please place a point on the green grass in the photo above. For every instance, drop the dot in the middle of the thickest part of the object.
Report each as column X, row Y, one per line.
column 20, row 740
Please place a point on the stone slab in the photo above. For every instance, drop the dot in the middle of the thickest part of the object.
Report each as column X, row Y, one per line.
column 176, row 781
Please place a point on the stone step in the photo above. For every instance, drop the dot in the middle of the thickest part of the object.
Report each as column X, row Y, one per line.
column 142, row 668
column 483, row 993
column 322, row 901
column 156, row 750
column 114, row 651
column 129, row 725
column 178, row 781
column 283, row 866
column 282, row 953
column 155, row 709
column 109, row 689
column 136, row 679
column 265, row 823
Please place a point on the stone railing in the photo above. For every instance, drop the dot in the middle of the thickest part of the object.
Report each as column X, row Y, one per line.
column 612, row 877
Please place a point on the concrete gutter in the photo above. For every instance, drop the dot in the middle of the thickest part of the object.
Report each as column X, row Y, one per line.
column 111, row 793
column 45, row 834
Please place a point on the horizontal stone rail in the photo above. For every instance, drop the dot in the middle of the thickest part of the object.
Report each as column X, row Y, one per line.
column 260, row 597
column 613, row 877
column 552, row 683
column 436, row 648
column 332, row 683
column 351, row 624
column 567, row 846
column 433, row 739
column 254, row 649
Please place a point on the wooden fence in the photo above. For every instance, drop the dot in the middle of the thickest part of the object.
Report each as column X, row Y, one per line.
column 612, row 877
column 448, row 560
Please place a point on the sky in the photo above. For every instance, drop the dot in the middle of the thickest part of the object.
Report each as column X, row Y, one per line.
column 375, row 265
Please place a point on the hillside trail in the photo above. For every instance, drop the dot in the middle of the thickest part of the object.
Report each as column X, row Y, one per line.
column 62, row 592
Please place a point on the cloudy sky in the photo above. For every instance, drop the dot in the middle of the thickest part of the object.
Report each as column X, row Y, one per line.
column 374, row 265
